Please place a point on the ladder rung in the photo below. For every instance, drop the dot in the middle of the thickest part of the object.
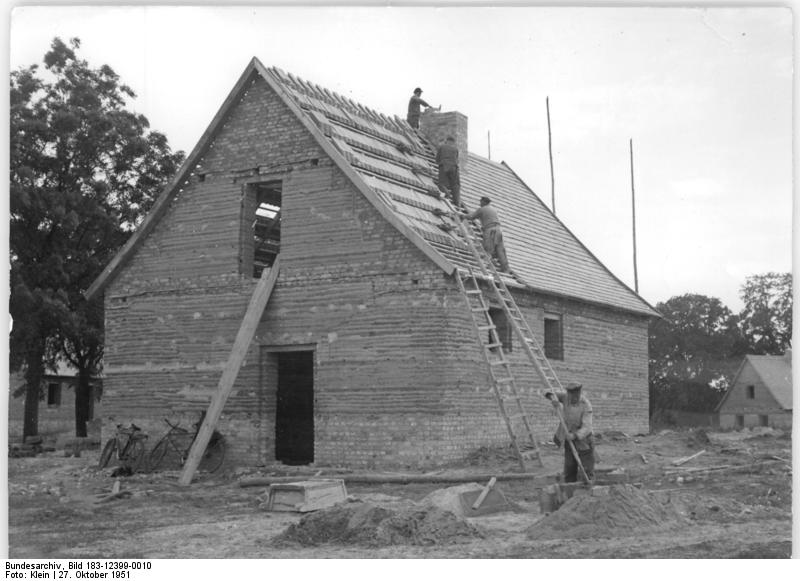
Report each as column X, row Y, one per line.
column 517, row 416
column 529, row 454
column 486, row 327
column 504, row 380
column 479, row 309
column 474, row 292
column 498, row 362
column 493, row 345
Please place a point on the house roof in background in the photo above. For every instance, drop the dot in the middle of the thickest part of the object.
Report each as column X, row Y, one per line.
column 776, row 373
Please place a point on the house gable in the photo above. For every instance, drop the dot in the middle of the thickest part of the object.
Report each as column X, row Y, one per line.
column 753, row 393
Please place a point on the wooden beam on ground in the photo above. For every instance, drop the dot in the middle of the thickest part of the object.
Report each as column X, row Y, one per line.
column 241, row 345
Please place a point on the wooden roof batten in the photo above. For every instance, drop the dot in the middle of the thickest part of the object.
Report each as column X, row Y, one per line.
column 386, row 212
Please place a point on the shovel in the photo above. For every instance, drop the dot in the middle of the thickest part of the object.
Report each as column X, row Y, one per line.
column 570, row 443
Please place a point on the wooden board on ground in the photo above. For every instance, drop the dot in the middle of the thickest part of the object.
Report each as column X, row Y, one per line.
column 306, row 495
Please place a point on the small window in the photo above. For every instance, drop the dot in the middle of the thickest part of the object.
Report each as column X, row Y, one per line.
column 261, row 227
column 763, row 421
column 739, row 421
column 553, row 337
column 503, row 329
column 54, row 394
column 751, row 392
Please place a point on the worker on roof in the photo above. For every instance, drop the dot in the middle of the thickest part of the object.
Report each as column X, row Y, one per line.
column 492, row 234
column 447, row 160
column 414, row 110
column 577, row 413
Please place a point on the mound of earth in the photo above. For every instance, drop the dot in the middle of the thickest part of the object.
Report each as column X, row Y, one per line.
column 623, row 511
column 366, row 524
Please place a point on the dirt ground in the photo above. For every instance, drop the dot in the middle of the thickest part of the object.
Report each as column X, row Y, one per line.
column 732, row 501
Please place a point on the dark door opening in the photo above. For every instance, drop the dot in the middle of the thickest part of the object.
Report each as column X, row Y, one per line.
column 294, row 416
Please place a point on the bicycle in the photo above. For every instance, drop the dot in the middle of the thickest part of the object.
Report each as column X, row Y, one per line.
column 179, row 441
column 128, row 445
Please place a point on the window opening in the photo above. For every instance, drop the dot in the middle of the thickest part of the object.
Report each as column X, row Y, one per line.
column 262, row 239
column 763, row 421
column 751, row 392
column 553, row 337
column 739, row 421
column 500, row 321
column 54, row 394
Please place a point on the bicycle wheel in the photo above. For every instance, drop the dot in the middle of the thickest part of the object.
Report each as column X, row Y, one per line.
column 135, row 455
column 107, row 453
column 214, row 456
column 157, row 454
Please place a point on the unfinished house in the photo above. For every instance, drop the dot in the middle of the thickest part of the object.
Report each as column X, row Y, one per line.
column 760, row 394
column 366, row 354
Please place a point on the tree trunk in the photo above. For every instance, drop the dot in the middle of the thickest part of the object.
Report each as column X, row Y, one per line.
column 83, row 402
column 33, row 379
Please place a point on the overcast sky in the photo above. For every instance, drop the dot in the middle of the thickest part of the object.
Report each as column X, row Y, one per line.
column 705, row 94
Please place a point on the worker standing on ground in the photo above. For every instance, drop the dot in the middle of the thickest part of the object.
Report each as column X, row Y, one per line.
column 577, row 413
column 447, row 160
column 414, row 105
column 492, row 234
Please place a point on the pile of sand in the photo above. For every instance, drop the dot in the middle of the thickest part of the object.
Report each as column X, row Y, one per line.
column 363, row 523
column 623, row 511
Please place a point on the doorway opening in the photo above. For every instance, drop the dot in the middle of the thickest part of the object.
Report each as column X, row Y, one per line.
column 294, row 412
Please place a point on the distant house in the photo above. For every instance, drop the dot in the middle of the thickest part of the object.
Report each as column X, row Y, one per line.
column 366, row 353
column 760, row 395
column 56, row 406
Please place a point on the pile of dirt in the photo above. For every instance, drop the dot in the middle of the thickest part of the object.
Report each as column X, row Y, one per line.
column 623, row 511
column 363, row 523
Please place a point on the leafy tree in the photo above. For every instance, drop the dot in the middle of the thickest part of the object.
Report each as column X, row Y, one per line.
column 692, row 352
column 84, row 171
column 767, row 314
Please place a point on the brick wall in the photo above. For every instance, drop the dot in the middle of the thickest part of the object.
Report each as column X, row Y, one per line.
column 398, row 375
column 438, row 126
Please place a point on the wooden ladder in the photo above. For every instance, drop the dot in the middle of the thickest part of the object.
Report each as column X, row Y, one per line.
column 504, row 385
column 498, row 365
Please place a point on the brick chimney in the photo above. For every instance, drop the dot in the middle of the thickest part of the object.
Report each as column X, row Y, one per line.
column 437, row 126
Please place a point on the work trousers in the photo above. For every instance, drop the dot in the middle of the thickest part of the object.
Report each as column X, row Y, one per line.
column 571, row 472
column 449, row 181
column 493, row 245
column 413, row 120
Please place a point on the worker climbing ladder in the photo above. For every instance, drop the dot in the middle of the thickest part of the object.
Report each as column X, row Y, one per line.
column 504, row 385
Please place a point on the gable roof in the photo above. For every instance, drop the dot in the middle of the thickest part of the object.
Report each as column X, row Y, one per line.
column 393, row 166
column 775, row 372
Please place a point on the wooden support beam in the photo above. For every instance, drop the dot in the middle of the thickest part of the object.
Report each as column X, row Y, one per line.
column 241, row 345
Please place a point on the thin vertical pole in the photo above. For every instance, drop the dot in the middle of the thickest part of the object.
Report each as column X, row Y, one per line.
column 550, row 147
column 489, row 143
column 633, row 220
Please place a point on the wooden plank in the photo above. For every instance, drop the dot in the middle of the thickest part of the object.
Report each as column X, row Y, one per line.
column 484, row 493
column 241, row 345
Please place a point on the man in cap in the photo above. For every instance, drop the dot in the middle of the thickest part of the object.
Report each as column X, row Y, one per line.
column 577, row 412
column 447, row 160
column 414, row 108
column 492, row 234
